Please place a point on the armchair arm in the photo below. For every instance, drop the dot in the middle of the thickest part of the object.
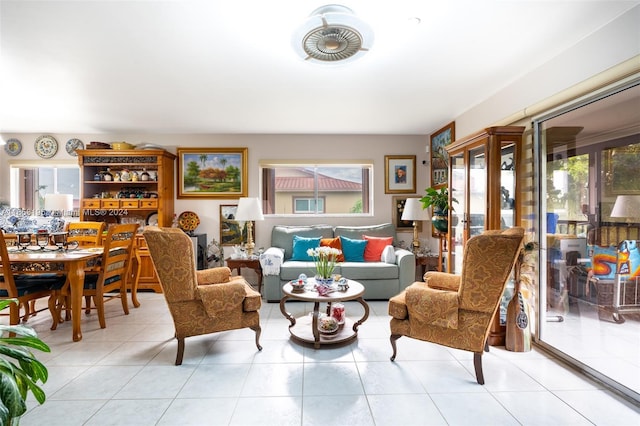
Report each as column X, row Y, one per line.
column 406, row 262
column 442, row 280
column 221, row 299
column 271, row 260
column 431, row 306
column 221, row 274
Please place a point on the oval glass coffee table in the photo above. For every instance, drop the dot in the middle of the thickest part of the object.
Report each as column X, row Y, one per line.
column 305, row 328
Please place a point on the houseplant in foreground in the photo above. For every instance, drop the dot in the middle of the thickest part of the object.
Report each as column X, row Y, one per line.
column 17, row 379
column 439, row 200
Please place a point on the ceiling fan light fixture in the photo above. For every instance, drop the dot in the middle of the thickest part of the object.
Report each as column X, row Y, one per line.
column 332, row 34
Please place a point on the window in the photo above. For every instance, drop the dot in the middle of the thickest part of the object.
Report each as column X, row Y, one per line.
column 316, row 189
column 30, row 183
column 308, row 205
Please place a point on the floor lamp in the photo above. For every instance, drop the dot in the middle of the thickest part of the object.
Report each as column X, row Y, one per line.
column 413, row 211
column 249, row 210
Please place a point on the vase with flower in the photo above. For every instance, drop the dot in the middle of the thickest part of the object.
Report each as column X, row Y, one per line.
column 325, row 259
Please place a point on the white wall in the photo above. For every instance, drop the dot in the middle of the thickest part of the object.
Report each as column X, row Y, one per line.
column 613, row 44
column 323, row 147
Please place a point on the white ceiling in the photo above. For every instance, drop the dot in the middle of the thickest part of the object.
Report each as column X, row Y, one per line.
column 214, row 66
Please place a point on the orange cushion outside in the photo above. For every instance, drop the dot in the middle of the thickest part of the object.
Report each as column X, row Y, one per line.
column 375, row 246
column 335, row 243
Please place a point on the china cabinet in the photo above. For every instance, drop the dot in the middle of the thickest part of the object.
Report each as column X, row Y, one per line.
column 482, row 177
column 134, row 186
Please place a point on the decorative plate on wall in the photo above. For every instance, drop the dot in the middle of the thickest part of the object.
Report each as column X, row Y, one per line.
column 13, row 147
column 72, row 145
column 46, row 146
column 188, row 221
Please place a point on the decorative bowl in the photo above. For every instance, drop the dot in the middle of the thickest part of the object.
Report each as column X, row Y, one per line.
column 328, row 325
column 297, row 286
column 121, row 145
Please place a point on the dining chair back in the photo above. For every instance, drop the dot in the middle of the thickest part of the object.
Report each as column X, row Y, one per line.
column 113, row 271
column 86, row 233
column 24, row 288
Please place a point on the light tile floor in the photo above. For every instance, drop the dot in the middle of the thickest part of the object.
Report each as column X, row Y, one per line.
column 124, row 375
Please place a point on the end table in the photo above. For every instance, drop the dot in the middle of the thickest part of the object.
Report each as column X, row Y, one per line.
column 250, row 263
column 428, row 263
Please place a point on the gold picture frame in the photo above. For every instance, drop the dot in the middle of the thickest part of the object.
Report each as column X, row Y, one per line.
column 212, row 172
column 399, row 174
column 439, row 157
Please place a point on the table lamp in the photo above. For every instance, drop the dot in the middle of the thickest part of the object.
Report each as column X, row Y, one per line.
column 413, row 211
column 627, row 206
column 249, row 209
column 58, row 204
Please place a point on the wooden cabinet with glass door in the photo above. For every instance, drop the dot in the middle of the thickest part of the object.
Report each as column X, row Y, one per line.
column 483, row 178
column 120, row 186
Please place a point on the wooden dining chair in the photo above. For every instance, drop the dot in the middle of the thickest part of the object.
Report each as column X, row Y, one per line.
column 113, row 271
column 25, row 288
column 86, row 234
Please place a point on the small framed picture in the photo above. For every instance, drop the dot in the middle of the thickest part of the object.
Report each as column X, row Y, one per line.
column 399, row 174
column 231, row 233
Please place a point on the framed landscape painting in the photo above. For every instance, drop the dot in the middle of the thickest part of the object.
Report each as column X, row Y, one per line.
column 212, row 172
column 439, row 156
column 231, row 233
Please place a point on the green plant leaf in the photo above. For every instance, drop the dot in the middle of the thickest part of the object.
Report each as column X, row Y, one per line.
column 32, row 342
column 19, row 329
column 10, row 396
column 17, row 380
column 4, row 414
column 37, row 392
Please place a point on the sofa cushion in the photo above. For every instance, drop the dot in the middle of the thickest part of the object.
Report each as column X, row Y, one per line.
column 356, row 232
column 333, row 243
column 375, row 245
column 353, row 250
column 301, row 245
column 292, row 269
column 388, row 255
column 369, row 270
column 604, row 261
column 282, row 235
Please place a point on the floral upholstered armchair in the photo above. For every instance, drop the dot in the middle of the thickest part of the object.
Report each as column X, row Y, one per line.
column 200, row 302
column 457, row 310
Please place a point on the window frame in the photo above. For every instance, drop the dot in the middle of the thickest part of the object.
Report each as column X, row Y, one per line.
column 268, row 192
column 17, row 188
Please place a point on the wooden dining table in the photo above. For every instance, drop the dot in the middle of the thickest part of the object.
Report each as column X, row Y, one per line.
column 71, row 262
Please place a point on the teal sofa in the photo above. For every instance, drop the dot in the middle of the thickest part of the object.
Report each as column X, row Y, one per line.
column 381, row 280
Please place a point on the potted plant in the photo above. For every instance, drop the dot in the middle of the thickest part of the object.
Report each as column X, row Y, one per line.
column 439, row 200
column 21, row 375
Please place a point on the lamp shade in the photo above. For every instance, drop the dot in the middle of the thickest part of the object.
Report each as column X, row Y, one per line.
column 413, row 210
column 58, row 202
column 249, row 208
column 626, row 206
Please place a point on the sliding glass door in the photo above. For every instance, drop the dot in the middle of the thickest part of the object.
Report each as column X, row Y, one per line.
column 589, row 166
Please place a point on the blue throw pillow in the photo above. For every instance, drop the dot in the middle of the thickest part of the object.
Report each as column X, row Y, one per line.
column 300, row 247
column 353, row 250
